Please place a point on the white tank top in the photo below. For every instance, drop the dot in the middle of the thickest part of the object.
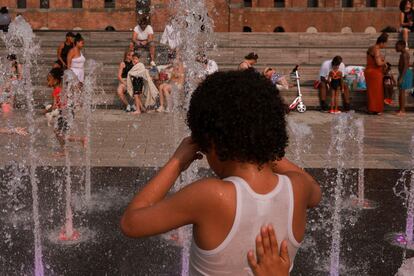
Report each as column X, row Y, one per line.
column 252, row 211
column 77, row 67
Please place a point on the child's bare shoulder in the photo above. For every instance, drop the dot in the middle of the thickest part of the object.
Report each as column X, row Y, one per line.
column 301, row 183
column 211, row 189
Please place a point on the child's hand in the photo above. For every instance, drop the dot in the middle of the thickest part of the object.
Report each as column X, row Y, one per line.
column 269, row 262
column 186, row 153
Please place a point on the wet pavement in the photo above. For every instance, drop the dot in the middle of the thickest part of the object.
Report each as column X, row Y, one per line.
column 103, row 250
column 126, row 150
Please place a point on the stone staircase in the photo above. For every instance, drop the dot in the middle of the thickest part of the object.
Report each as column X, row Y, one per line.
column 280, row 50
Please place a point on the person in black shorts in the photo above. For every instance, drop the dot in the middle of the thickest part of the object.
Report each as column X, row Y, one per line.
column 406, row 19
column 63, row 50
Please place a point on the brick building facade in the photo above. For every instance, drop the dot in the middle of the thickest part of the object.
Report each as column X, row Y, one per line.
column 228, row 15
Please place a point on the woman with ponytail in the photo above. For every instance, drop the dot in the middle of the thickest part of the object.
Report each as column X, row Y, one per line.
column 76, row 60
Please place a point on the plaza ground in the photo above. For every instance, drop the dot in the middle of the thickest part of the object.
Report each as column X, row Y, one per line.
column 119, row 139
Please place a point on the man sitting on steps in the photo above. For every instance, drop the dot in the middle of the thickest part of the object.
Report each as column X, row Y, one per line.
column 143, row 37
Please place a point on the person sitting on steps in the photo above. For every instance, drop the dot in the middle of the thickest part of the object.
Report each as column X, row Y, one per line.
column 123, row 70
column 143, row 37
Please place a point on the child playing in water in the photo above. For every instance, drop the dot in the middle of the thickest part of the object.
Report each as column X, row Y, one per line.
column 405, row 77
column 389, row 83
column 237, row 119
column 336, row 86
column 54, row 80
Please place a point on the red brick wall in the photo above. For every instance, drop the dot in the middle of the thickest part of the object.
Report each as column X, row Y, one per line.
column 227, row 15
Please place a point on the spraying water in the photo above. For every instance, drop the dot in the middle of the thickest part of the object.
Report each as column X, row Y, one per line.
column 302, row 135
column 361, row 201
column 410, row 207
column 20, row 40
column 68, row 232
column 195, row 31
column 404, row 189
column 91, row 96
column 337, row 147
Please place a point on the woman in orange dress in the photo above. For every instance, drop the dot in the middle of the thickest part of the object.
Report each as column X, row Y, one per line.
column 374, row 74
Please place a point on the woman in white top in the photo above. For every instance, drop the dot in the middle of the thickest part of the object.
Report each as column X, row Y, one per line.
column 76, row 60
column 143, row 37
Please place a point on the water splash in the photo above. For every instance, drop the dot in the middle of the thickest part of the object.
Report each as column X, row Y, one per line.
column 195, row 31
column 338, row 138
column 21, row 41
column 404, row 188
column 302, row 135
column 360, row 201
column 92, row 95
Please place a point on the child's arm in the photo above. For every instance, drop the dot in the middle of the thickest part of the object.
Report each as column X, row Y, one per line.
column 149, row 213
column 310, row 187
column 329, row 77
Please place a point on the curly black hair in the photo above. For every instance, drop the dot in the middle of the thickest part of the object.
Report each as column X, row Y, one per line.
column 242, row 114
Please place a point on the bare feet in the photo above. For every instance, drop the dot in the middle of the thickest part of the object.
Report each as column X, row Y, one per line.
column 400, row 113
column 136, row 112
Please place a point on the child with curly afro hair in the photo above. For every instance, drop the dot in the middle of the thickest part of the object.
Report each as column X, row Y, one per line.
column 237, row 120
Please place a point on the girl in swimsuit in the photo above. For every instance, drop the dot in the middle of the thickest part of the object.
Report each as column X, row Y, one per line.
column 336, row 86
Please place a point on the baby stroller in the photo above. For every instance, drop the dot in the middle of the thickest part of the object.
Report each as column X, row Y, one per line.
column 297, row 102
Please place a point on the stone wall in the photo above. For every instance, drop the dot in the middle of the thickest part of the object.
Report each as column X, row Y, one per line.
column 228, row 15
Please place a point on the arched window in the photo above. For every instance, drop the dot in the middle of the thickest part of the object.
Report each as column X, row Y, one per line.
column 247, row 29
column 279, row 3
column 370, row 30
column 371, row 3
column 109, row 4
column 77, row 4
column 110, row 28
column 313, row 3
column 44, row 4
column 347, row 3
column 312, row 30
column 21, row 4
column 279, row 29
column 247, row 3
